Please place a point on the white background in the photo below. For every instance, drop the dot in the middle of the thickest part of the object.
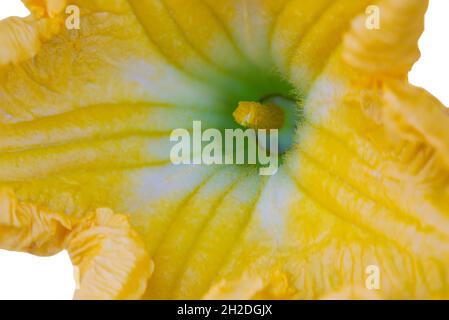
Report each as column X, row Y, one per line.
column 23, row 276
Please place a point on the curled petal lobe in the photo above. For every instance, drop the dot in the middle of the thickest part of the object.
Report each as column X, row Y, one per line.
column 22, row 38
column 109, row 256
column 26, row 227
column 391, row 48
column 415, row 115
column 353, row 293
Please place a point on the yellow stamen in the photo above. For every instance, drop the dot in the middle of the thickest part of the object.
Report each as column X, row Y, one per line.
column 255, row 115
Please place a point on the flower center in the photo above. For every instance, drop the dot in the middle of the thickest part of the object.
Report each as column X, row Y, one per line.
column 271, row 112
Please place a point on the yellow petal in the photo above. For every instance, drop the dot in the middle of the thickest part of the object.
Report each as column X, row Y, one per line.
column 22, row 38
column 415, row 115
column 274, row 286
column 45, row 8
column 391, row 48
column 110, row 257
column 28, row 228
column 86, row 124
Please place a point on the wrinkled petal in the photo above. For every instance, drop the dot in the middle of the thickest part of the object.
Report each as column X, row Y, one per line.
column 25, row 227
column 86, row 123
column 22, row 38
column 392, row 49
column 110, row 258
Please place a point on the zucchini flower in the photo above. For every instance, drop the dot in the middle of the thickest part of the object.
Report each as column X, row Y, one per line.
column 86, row 116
